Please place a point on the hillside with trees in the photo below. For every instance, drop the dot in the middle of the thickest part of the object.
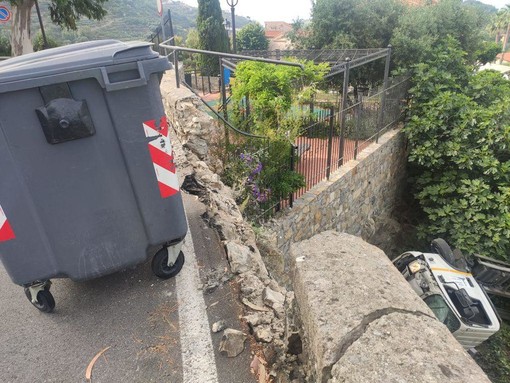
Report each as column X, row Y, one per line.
column 125, row 20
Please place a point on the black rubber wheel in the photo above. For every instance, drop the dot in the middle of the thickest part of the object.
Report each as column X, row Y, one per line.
column 160, row 264
column 45, row 301
column 439, row 246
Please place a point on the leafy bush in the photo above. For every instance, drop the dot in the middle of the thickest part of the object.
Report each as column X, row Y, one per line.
column 261, row 173
column 5, row 46
column 261, row 176
column 272, row 89
column 460, row 138
column 252, row 36
column 494, row 355
column 38, row 43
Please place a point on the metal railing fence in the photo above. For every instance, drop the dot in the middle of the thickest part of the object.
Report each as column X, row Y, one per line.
column 325, row 144
column 263, row 172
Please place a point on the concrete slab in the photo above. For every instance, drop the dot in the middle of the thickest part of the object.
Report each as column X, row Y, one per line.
column 342, row 286
column 405, row 348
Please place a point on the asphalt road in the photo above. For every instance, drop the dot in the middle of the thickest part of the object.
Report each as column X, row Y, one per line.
column 156, row 330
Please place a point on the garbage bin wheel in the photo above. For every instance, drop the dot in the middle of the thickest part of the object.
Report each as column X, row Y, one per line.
column 160, row 264
column 45, row 301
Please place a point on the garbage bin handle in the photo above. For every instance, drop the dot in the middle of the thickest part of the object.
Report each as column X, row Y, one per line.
column 110, row 87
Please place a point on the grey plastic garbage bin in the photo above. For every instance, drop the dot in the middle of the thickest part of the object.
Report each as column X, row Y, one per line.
column 87, row 176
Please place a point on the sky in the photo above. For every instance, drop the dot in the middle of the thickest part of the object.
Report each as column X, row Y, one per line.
column 288, row 10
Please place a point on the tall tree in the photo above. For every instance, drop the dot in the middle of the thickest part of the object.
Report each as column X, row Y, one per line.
column 192, row 41
column 64, row 13
column 212, row 34
column 459, row 147
column 496, row 26
column 422, row 29
column 353, row 23
column 252, row 36
column 504, row 16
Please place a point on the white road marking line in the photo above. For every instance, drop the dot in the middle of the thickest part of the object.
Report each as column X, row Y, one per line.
column 198, row 361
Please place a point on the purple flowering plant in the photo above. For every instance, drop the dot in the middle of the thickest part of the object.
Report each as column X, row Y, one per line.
column 253, row 167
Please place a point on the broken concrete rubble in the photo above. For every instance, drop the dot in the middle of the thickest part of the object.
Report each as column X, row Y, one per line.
column 239, row 257
column 194, row 128
column 273, row 298
column 256, row 319
column 232, row 342
column 218, row 326
column 263, row 334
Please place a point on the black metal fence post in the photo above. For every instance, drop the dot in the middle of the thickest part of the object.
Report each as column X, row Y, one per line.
column 224, row 104
column 292, row 163
column 223, row 91
column 343, row 112
column 170, row 24
column 176, row 68
column 380, row 121
column 330, row 140
column 359, row 121
column 158, row 40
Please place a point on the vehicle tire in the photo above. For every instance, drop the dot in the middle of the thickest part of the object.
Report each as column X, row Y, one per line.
column 160, row 266
column 439, row 246
column 45, row 301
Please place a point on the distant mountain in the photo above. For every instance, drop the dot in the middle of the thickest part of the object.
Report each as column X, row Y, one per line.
column 126, row 20
column 482, row 7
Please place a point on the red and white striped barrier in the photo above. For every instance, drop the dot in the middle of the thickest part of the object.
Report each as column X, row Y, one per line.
column 162, row 157
column 6, row 232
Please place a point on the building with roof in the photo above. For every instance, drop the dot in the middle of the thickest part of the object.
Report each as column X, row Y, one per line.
column 276, row 32
column 419, row 2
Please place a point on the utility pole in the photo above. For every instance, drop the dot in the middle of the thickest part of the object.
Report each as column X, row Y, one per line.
column 45, row 41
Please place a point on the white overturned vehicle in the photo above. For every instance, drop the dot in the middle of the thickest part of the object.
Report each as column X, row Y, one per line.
column 444, row 282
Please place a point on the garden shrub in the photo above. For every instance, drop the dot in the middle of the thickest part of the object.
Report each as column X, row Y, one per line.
column 260, row 172
column 459, row 132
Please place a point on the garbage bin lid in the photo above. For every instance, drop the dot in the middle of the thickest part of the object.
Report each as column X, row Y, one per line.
column 90, row 54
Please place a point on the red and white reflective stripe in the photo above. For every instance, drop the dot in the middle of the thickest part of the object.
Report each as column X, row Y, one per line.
column 6, row 232
column 162, row 156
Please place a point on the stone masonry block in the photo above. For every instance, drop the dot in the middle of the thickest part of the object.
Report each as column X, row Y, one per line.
column 342, row 284
column 401, row 347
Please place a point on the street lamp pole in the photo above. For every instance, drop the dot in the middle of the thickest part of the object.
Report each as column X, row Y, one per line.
column 233, row 4
column 45, row 40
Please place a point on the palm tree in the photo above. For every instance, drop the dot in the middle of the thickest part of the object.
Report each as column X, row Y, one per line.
column 505, row 16
column 496, row 26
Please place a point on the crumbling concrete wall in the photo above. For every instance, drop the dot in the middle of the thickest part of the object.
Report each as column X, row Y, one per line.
column 356, row 199
column 361, row 321
column 194, row 137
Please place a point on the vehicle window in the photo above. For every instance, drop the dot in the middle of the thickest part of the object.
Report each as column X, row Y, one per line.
column 469, row 308
column 442, row 312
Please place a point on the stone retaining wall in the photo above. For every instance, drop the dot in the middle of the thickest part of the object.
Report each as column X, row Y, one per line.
column 354, row 199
